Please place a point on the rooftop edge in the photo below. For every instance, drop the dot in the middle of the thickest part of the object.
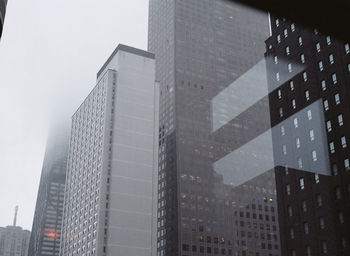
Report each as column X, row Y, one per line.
column 129, row 49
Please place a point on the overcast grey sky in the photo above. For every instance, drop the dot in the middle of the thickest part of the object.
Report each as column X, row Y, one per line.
column 50, row 53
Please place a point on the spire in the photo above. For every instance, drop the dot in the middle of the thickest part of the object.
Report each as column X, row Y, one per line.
column 15, row 218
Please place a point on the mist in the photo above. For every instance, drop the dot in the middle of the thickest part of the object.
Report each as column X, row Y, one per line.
column 50, row 53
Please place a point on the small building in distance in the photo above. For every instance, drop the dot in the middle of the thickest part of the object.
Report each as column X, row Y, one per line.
column 14, row 240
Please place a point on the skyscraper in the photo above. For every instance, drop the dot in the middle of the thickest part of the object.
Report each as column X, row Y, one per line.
column 111, row 162
column 46, row 229
column 3, row 4
column 216, row 192
column 14, row 241
column 309, row 78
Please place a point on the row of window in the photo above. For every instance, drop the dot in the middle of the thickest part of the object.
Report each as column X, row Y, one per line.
column 342, row 142
column 318, row 45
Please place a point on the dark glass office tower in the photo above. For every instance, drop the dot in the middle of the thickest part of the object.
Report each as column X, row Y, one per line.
column 216, row 192
column 309, row 85
column 46, row 230
column 3, row 4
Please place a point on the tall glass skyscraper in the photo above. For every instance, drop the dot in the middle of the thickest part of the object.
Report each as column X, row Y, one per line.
column 216, row 192
column 46, row 229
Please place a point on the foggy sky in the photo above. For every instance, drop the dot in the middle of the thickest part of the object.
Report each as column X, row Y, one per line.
column 50, row 52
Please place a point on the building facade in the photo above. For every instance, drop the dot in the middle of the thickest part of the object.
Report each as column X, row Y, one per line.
column 309, row 77
column 3, row 4
column 111, row 162
column 46, row 229
column 14, row 241
column 216, row 192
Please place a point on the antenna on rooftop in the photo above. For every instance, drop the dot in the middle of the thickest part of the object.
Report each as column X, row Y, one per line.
column 15, row 218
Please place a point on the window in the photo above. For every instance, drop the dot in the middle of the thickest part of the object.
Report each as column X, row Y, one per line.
column 291, row 85
column 334, row 78
column 323, row 85
column 281, row 112
column 329, row 126
column 300, row 40
column 284, row 149
column 347, row 164
column 301, row 183
column 328, row 40
column 305, row 76
column 319, row 200
column 285, row 32
column 277, row 22
column 291, row 232
column 341, row 217
column 288, row 189
column 277, row 76
column 334, row 170
column 290, row 68
column 349, row 67
column 278, row 38
column 309, row 114
column 337, row 193
column 294, row 104
column 304, row 206
column 297, row 142
column 314, row 155
column 300, row 163
column 317, row 178
column 283, row 131
column 287, row 50
column 320, row 65
column 325, row 105
column 308, row 250
column 185, row 247
column 331, row 59
column 307, row 95
column 306, row 228
column 324, row 247
column 290, row 211
column 312, row 135
column 340, row 120
column 292, row 27
column 337, row 99
column 275, row 59
column 343, row 243
column 347, row 48
column 322, row 224
column 318, row 47
column 331, row 147
column 302, row 58
column 279, row 94
column 343, row 141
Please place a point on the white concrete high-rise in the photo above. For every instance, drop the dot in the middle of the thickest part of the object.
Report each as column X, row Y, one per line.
column 111, row 178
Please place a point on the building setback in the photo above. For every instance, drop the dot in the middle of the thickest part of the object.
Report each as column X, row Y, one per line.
column 46, row 228
column 111, row 162
column 309, row 78
column 216, row 192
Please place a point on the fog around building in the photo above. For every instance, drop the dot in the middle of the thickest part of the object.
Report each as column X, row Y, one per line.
column 50, row 53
